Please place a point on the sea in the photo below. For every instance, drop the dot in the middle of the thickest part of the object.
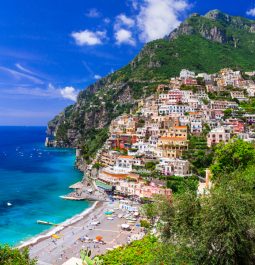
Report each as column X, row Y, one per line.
column 32, row 179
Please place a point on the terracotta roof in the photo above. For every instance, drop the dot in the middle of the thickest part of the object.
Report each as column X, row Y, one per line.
column 180, row 127
column 173, row 138
column 126, row 157
column 194, row 113
column 115, row 175
column 134, row 176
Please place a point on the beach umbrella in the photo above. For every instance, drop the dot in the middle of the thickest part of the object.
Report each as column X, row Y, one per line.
column 99, row 238
column 55, row 236
column 108, row 213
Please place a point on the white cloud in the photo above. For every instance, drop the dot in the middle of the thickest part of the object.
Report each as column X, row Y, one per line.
column 49, row 92
column 21, row 76
column 69, row 92
column 251, row 12
column 123, row 20
column 135, row 4
column 107, row 20
column 124, row 36
column 23, row 69
column 122, row 27
column 97, row 77
column 87, row 37
column 93, row 13
column 157, row 18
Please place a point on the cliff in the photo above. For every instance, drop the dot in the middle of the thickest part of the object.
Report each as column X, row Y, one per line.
column 201, row 43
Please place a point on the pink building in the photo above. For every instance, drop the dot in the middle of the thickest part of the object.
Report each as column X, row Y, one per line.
column 238, row 125
column 173, row 96
column 141, row 190
column 217, row 135
column 190, row 81
column 152, row 190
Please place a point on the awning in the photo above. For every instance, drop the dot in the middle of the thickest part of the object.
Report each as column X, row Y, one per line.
column 125, row 226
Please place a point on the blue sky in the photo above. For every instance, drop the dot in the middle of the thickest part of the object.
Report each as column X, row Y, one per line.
column 51, row 49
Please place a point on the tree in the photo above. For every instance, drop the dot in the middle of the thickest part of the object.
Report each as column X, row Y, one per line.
column 97, row 165
column 87, row 260
column 139, row 252
column 227, row 227
column 10, row 256
column 230, row 157
column 182, row 184
column 214, row 229
column 227, row 113
column 151, row 165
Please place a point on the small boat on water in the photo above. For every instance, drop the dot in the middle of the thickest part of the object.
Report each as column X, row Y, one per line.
column 45, row 223
column 9, row 204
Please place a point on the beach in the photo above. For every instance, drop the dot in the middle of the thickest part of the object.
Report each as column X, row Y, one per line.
column 81, row 232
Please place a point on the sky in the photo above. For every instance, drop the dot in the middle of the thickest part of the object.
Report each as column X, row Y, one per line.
column 52, row 49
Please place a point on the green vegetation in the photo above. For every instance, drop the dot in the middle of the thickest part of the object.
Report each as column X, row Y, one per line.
column 227, row 113
column 94, row 140
column 200, row 230
column 235, row 155
column 97, row 165
column 10, row 256
column 199, row 155
column 158, row 61
column 137, row 253
column 215, row 229
column 87, row 260
column 180, row 185
column 150, row 165
column 248, row 106
column 145, row 224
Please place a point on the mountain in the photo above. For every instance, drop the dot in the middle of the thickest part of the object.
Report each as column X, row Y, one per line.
column 201, row 43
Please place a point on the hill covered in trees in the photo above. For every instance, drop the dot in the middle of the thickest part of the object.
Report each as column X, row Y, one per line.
column 201, row 43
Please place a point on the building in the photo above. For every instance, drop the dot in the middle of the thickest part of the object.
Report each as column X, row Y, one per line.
column 196, row 126
column 217, row 135
column 124, row 163
column 223, row 104
column 186, row 74
column 236, row 124
column 189, row 81
column 170, row 167
column 171, row 146
column 250, row 118
column 140, row 189
column 238, row 95
column 108, row 157
column 170, row 109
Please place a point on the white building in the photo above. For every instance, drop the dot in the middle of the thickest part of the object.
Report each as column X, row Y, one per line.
column 196, row 126
column 186, row 74
column 170, row 166
column 124, row 163
column 178, row 109
column 187, row 95
column 205, row 76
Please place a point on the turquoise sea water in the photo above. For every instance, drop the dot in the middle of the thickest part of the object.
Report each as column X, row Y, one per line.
column 32, row 177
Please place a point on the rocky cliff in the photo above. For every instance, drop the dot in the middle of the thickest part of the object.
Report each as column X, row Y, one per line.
column 201, row 43
column 215, row 26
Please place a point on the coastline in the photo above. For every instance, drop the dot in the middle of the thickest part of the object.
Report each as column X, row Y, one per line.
column 84, row 233
column 49, row 232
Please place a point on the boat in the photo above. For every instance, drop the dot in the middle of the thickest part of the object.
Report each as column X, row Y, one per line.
column 45, row 222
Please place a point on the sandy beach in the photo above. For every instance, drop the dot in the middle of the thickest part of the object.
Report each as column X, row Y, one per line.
column 80, row 233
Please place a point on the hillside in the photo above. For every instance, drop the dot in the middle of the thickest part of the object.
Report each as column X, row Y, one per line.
column 201, row 43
